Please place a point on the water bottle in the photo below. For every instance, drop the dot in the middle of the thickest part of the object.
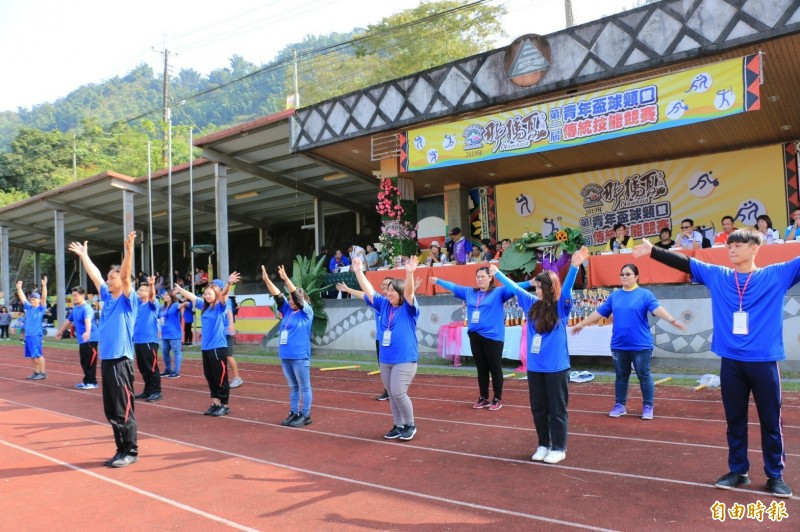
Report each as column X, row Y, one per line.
column 615, row 246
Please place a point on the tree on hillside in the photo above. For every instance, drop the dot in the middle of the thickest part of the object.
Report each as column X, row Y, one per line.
column 432, row 34
column 31, row 165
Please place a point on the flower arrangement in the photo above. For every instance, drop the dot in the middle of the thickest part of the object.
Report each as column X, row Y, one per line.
column 398, row 236
column 521, row 256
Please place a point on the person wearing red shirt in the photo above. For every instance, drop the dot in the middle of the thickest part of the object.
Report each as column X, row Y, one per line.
column 727, row 229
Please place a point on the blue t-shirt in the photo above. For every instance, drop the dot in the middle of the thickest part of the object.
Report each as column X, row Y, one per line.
column 188, row 312
column 228, row 307
column 490, row 323
column 631, row 330
column 213, row 328
column 553, row 355
column 297, row 323
column 78, row 317
column 171, row 326
column 332, row 264
column 33, row 319
column 376, row 310
column 145, row 330
column 762, row 300
column 116, row 324
column 402, row 321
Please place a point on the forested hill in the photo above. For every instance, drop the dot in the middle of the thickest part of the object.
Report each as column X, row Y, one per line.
column 212, row 100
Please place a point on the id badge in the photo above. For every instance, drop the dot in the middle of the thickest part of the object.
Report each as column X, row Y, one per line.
column 740, row 322
column 387, row 338
column 160, row 321
column 476, row 315
column 536, row 343
column 284, row 337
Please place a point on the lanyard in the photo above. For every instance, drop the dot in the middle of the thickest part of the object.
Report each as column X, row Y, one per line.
column 391, row 315
column 480, row 298
column 741, row 291
column 286, row 327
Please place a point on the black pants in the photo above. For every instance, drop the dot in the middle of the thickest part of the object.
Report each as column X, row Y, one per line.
column 147, row 362
column 488, row 356
column 215, row 368
column 88, row 354
column 3, row 331
column 118, row 402
column 549, row 397
column 187, row 333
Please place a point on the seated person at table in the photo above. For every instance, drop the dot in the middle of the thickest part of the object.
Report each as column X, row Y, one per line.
column 665, row 239
column 435, row 254
column 475, row 255
column 373, row 258
column 620, row 239
column 727, row 229
column 689, row 238
column 338, row 261
column 769, row 234
column 502, row 247
column 487, row 250
column 793, row 231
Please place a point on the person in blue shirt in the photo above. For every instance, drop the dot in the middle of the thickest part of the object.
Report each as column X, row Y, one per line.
column 34, row 308
column 86, row 332
column 486, row 331
column 793, row 231
column 548, row 358
column 188, row 322
column 398, row 312
column 116, row 348
column 213, row 344
column 338, row 261
column 145, row 342
column 294, row 346
column 747, row 313
column 171, row 334
column 631, row 341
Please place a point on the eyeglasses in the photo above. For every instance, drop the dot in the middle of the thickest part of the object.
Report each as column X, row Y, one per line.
column 686, row 227
column 627, row 274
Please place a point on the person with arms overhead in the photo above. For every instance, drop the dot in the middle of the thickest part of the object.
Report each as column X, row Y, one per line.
column 34, row 308
column 747, row 314
column 82, row 316
column 116, row 348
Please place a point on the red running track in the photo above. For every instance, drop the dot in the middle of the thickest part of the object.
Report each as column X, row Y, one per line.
column 464, row 470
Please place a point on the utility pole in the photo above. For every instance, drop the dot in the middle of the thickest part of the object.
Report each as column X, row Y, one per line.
column 568, row 12
column 165, row 106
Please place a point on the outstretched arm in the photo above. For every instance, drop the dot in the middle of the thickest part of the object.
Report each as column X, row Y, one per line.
column 341, row 287
column 64, row 327
column 82, row 251
column 662, row 313
column 677, row 261
column 21, row 294
column 232, row 280
column 43, row 302
column 365, row 285
column 126, row 268
column 188, row 295
column 411, row 267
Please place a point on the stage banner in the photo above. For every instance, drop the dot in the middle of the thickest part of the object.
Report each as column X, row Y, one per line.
column 688, row 97
column 647, row 197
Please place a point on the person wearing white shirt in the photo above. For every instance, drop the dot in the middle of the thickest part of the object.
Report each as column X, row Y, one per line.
column 768, row 233
column 689, row 238
column 357, row 252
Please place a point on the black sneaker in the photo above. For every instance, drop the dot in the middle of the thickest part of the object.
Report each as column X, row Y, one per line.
column 732, row 480
column 125, row 460
column 394, row 433
column 32, row 376
column 113, row 459
column 173, row 375
column 39, row 377
column 292, row 416
column 211, row 409
column 383, row 397
column 778, row 487
column 408, row 433
column 152, row 398
column 165, row 373
column 141, row 396
column 300, row 421
column 222, row 410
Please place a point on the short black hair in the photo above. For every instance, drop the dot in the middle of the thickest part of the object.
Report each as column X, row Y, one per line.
column 81, row 290
column 619, row 226
column 745, row 236
column 667, row 229
column 691, row 222
column 726, row 217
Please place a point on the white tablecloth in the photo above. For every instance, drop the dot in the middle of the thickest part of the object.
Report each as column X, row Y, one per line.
column 591, row 341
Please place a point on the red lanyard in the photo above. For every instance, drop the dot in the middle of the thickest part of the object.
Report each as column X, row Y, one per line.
column 741, row 291
column 286, row 327
column 480, row 298
column 391, row 315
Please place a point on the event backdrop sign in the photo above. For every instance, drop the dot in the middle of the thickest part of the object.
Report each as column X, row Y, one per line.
column 647, row 197
column 705, row 93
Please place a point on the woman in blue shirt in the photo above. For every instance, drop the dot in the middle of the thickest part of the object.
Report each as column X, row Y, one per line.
column 631, row 341
column 548, row 359
column 171, row 334
column 398, row 344
column 213, row 344
column 486, row 331
column 294, row 346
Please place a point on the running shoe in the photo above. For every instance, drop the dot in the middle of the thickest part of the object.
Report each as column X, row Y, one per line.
column 482, row 402
column 383, row 397
column 408, row 433
column 540, row 453
column 222, row 410
column 300, row 421
column 554, row 457
column 618, row 410
column 235, row 383
column 778, row 487
column 497, row 404
column 647, row 412
column 292, row 416
column 394, row 433
column 732, row 480
column 211, row 409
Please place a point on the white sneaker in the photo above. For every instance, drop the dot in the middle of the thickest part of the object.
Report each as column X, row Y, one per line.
column 554, row 457
column 235, row 383
column 540, row 453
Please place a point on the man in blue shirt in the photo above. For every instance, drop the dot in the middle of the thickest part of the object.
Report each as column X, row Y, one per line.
column 116, row 348
column 34, row 313
column 747, row 312
column 82, row 316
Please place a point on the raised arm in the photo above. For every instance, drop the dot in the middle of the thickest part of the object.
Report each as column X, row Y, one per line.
column 411, row 267
column 21, row 294
column 290, row 287
column 271, row 288
column 43, row 302
column 577, row 259
column 82, row 251
column 508, row 283
column 232, row 280
column 365, row 285
column 126, row 268
column 188, row 295
column 151, row 283
column 341, row 287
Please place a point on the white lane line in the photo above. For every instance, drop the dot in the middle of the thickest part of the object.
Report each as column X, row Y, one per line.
column 305, row 471
column 159, row 498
